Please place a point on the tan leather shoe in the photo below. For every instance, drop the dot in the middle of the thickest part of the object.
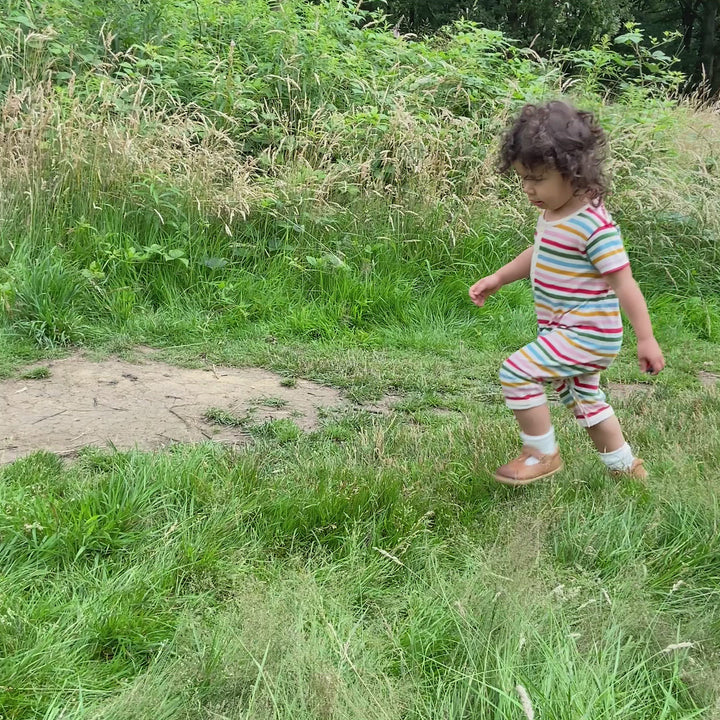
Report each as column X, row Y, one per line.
column 636, row 471
column 517, row 473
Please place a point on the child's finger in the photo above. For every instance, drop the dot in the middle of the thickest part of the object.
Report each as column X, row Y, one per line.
column 477, row 296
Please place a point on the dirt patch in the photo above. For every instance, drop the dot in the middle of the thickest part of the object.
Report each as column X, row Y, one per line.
column 446, row 412
column 623, row 391
column 383, row 406
column 708, row 379
column 145, row 405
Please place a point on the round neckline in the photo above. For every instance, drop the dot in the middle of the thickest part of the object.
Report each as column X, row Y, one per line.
column 564, row 217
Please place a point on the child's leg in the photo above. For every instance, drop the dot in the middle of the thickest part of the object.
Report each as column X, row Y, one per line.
column 521, row 376
column 616, row 454
column 521, row 383
column 607, row 435
column 549, row 359
column 536, row 432
column 582, row 394
column 534, row 421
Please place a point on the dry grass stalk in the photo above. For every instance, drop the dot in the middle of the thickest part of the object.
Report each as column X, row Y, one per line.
column 525, row 702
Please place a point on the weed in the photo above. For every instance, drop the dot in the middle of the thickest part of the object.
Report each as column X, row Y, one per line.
column 218, row 416
column 37, row 373
column 272, row 402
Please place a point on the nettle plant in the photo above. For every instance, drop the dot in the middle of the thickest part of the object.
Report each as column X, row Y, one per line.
column 630, row 64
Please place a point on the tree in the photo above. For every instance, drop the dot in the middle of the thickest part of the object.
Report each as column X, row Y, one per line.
column 699, row 48
column 709, row 45
column 544, row 23
column 547, row 24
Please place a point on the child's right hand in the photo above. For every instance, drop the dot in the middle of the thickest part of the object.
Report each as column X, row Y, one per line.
column 482, row 289
column 650, row 356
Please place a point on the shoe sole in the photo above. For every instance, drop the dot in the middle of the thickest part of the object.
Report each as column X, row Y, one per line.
column 514, row 482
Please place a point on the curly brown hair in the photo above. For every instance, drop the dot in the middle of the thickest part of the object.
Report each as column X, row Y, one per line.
column 558, row 136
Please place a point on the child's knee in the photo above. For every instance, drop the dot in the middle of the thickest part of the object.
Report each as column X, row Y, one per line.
column 521, row 390
column 505, row 374
column 512, row 370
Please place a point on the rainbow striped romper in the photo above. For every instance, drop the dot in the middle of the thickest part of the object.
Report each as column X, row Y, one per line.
column 579, row 323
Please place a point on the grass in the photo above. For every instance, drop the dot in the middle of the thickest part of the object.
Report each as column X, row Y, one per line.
column 272, row 402
column 372, row 563
column 325, row 221
column 218, row 416
column 37, row 373
column 369, row 567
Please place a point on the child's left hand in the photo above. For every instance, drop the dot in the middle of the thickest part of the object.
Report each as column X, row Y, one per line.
column 650, row 356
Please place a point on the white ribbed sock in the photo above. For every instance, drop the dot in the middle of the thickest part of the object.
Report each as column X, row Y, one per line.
column 544, row 444
column 620, row 459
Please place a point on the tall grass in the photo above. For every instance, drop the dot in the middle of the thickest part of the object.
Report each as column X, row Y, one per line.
column 346, row 177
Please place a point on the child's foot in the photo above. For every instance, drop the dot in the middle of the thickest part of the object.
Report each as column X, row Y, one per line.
column 636, row 471
column 520, row 472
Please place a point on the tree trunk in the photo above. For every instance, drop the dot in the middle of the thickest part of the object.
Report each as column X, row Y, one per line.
column 708, row 40
column 688, row 12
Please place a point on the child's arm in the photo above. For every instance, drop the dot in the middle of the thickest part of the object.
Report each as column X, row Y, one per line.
column 633, row 303
column 514, row 270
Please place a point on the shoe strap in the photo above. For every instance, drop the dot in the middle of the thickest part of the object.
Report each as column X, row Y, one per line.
column 528, row 451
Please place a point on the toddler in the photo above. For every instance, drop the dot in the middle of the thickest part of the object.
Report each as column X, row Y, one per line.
column 580, row 277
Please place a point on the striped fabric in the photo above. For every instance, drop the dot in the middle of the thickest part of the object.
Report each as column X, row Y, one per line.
column 579, row 322
column 570, row 257
column 569, row 362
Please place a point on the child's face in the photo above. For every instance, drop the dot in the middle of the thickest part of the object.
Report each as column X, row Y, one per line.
column 545, row 187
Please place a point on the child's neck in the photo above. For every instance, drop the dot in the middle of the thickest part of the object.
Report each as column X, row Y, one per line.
column 575, row 203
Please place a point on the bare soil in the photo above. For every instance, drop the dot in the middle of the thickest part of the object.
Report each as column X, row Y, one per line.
column 144, row 405
column 623, row 391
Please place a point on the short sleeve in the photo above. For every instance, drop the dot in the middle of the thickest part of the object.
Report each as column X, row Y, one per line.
column 606, row 251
